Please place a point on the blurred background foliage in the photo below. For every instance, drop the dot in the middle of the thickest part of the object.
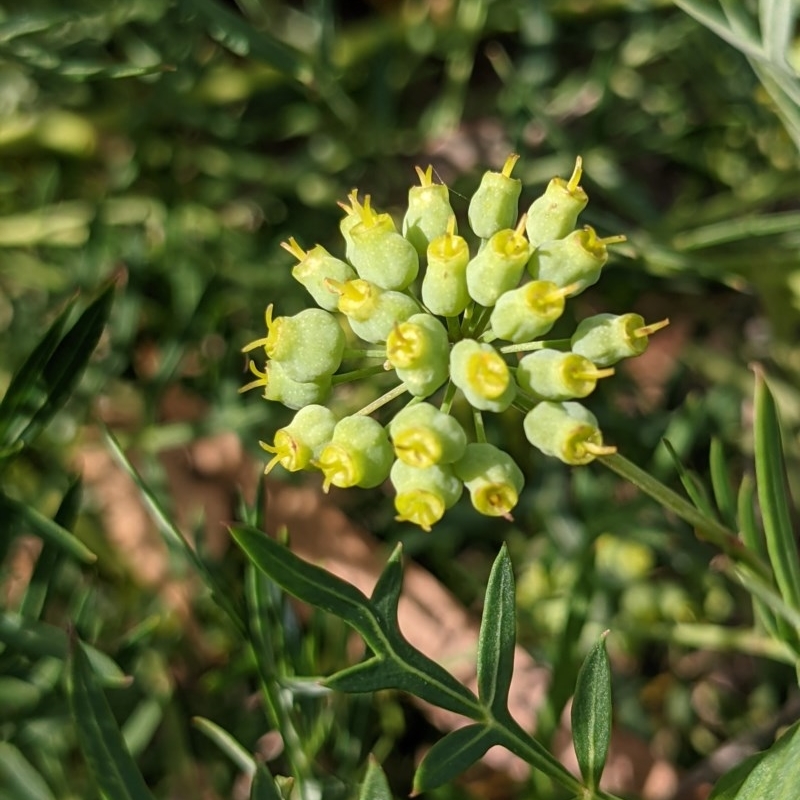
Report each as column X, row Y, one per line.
column 173, row 145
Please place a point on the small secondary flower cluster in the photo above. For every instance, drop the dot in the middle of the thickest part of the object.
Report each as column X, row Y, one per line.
column 458, row 325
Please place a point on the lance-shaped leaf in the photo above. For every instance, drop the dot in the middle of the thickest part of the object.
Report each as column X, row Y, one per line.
column 591, row 714
column 18, row 778
column 396, row 664
column 771, row 775
column 110, row 764
column 453, row 754
column 497, row 635
column 375, row 785
column 773, row 495
column 227, row 743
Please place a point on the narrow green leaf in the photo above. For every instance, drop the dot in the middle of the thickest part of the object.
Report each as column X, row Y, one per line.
column 386, row 593
column 17, row 696
column 751, row 536
column 691, row 484
column 110, row 764
column 591, row 714
column 453, row 754
column 175, row 539
column 25, row 393
column 771, row 775
column 227, row 743
column 497, row 636
column 14, row 513
column 37, row 639
column 375, row 785
column 263, row 786
column 142, row 724
column 49, row 557
column 773, row 494
column 66, row 364
column 721, row 484
column 18, row 779
column 714, row 21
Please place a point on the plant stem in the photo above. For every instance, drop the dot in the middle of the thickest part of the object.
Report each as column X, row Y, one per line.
column 382, row 400
column 453, row 329
column 357, row 374
column 447, row 400
column 355, row 352
column 557, row 344
column 480, row 430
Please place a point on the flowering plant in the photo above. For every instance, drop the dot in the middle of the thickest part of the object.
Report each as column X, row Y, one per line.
column 460, row 329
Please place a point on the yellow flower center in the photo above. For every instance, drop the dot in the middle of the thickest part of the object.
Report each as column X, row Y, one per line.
column 495, row 499
column 488, row 374
column 338, row 466
column 418, row 447
column 406, row 345
column 419, row 506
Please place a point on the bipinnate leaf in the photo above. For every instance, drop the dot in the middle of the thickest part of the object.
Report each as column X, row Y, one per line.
column 773, row 774
column 453, row 754
column 773, row 495
column 591, row 713
column 497, row 635
column 375, row 785
column 395, row 663
column 110, row 764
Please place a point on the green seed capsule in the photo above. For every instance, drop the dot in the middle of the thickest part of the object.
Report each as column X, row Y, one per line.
column 493, row 207
column 482, row 375
column 351, row 218
column 553, row 375
column 567, row 431
column 429, row 211
column 418, row 350
column 530, row 311
column 315, row 267
column 308, row 345
column 280, row 388
column 554, row 214
column 576, row 259
column 606, row 339
column 302, row 440
column 372, row 311
column 499, row 266
column 423, row 494
column 379, row 252
column 492, row 477
column 358, row 454
column 444, row 285
column 423, row 436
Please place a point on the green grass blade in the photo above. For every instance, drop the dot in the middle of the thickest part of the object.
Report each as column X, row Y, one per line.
column 591, row 714
column 721, row 485
column 18, row 778
column 497, row 637
column 773, row 495
column 13, row 514
column 66, row 364
column 691, row 484
column 110, row 764
column 715, row 22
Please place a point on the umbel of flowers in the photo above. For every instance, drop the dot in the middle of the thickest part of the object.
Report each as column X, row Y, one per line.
column 446, row 319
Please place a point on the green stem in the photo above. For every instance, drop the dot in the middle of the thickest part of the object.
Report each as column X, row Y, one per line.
column 357, row 374
column 555, row 344
column 480, row 430
column 355, row 352
column 453, row 329
column 466, row 320
column 382, row 400
column 480, row 322
column 712, row 531
column 447, row 400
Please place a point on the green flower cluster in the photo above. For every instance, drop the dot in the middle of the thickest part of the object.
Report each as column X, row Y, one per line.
column 445, row 321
